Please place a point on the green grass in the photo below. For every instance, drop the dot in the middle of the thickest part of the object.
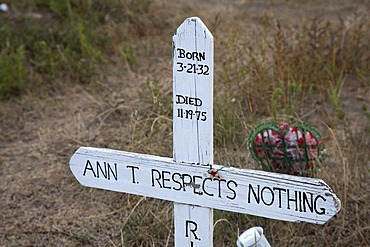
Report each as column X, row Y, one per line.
column 13, row 72
column 46, row 40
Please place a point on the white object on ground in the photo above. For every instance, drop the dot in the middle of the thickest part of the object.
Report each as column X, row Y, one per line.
column 253, row 237
column 4, row 7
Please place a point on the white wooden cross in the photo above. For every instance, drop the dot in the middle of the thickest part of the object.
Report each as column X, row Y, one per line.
column 190, row 179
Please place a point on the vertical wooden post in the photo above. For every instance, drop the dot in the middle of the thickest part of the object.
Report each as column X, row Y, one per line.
column 193, row 122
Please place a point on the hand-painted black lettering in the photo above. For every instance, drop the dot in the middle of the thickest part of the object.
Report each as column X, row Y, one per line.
column 186, row 100
column 165, row 179
column 202, row 56
column 263, row 196
column 180, row 99
column 110, row 171
column 89, row 167
column 251, row 190
column 191, row 55
column 204, row 117
column 307, row 202
column 186, row 179
column 180, row 113
column 219, row 186
column 279, row 189
column 191, row 68
column 292, row 199
column 180, row 67
column 191, row 226
column 133, row 173
column 195, row 56
column 156, row 175
column 204, row 186
column 175, row 178
column 206, row 70
column 200, row 69
column 189, row 114
column 300, row 201
column 105, row 170
column 322, row 210
column 99, row 168
column 195, row 183
column 197, row 114
column 181, row 53
column 228, row 184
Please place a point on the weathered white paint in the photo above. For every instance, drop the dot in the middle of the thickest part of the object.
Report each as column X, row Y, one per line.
column 160, row 177
column 193, row 224
column 193, row 119
column 193, row 37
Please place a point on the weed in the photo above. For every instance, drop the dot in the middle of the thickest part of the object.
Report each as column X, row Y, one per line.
column 229, row 128
column 12, row 72
column 292, row 67
column 160, row 97
column 155, row 117
column 128, row 52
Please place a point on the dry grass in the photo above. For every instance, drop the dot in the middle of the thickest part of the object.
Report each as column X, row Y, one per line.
column 273, row 61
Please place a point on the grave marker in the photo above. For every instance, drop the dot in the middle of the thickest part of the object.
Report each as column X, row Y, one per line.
column 190, row 179
column 193, row 50
column 260, row 193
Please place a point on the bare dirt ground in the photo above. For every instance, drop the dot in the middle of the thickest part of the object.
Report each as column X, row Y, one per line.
column 42, row 204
